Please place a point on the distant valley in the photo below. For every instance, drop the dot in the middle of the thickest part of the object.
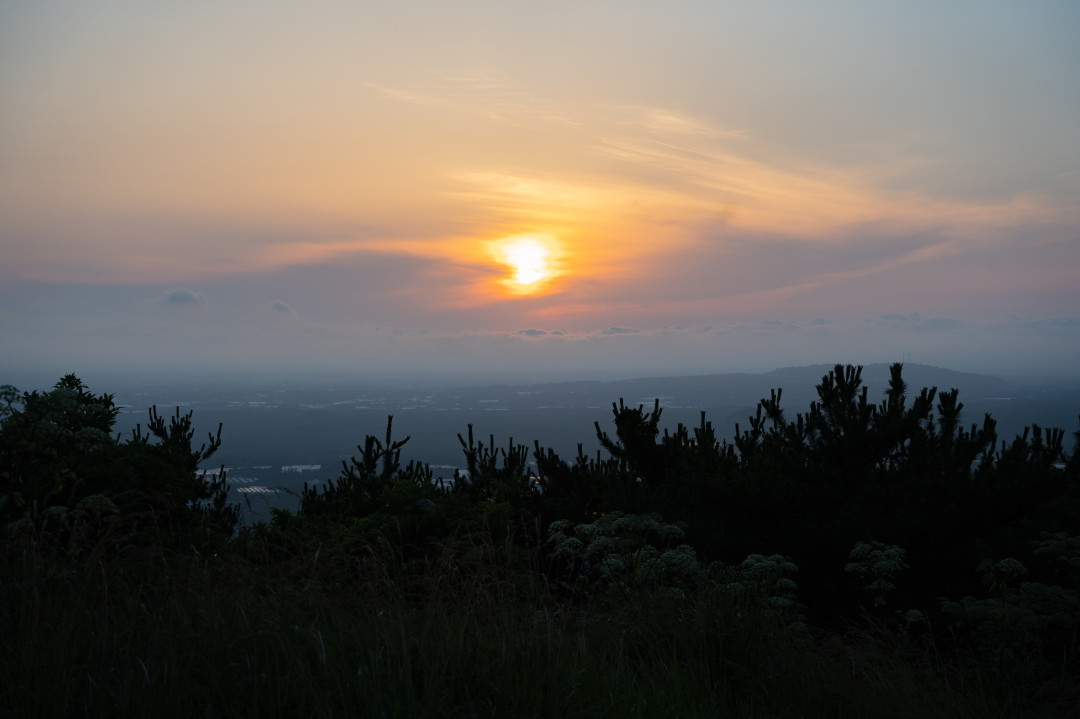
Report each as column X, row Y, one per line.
column 276, row 436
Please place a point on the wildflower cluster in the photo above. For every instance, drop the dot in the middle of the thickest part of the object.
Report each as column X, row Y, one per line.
column 631, row 550
column 1000, row 576
column 1061, row 551
column 1020, row 622
column 875, row 565
column 70, row 527
column 768, row 577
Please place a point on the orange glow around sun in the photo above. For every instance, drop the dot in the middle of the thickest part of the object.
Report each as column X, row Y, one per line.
column 529, row 259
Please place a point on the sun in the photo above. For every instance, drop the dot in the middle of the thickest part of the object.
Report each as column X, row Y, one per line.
column 530, row 259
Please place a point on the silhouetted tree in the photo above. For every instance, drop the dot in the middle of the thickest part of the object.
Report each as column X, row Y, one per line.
column 60, row 465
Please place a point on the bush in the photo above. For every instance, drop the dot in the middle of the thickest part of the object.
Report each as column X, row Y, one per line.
column 65, row 480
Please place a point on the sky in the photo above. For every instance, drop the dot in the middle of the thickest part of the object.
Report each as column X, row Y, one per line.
column 596, row 188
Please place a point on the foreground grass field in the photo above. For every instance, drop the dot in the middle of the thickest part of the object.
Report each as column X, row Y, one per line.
column 469, row 630
column 918, row 570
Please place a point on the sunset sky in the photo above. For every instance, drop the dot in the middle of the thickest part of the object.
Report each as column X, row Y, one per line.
column 593, row 187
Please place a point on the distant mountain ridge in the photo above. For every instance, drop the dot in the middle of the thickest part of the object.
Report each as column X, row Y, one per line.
column 272, row 425
column 730, row 398
column 740, row 388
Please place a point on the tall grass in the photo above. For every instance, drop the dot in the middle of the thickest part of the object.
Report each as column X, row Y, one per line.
column 467, row 630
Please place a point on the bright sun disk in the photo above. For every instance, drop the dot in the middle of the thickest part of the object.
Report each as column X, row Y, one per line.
column 528, row 258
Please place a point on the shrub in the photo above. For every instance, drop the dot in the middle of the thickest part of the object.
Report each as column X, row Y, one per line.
column 65, row 480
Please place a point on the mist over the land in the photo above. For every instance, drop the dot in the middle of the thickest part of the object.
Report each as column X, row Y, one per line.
column 280, row 433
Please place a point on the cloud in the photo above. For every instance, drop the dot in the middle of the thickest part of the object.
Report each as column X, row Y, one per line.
column 282, row 308
column 532, row 332
column 915, row 322
column 670, row 122
column 619, row 331
column 1058, row 325
column 182, row 297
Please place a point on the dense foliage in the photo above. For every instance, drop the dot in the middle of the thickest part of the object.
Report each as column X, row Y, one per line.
column 860, row 558
column 65, row 477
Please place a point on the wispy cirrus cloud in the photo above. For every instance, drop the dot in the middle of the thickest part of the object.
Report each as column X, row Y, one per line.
column 282, row 308
column 182, row 297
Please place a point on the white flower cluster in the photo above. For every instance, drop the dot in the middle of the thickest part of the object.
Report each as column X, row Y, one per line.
column 92, row 438
column 876, row 565
column 1025, row 616
column 568, row 548
column 90, row 514
column 1001, row 575
column 1060, row 548
column 766, row 576
column 621, row 548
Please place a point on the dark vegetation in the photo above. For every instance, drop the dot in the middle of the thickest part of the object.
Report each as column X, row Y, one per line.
column 860, row 558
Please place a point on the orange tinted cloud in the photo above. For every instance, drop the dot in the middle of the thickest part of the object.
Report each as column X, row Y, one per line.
column 207, row 181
